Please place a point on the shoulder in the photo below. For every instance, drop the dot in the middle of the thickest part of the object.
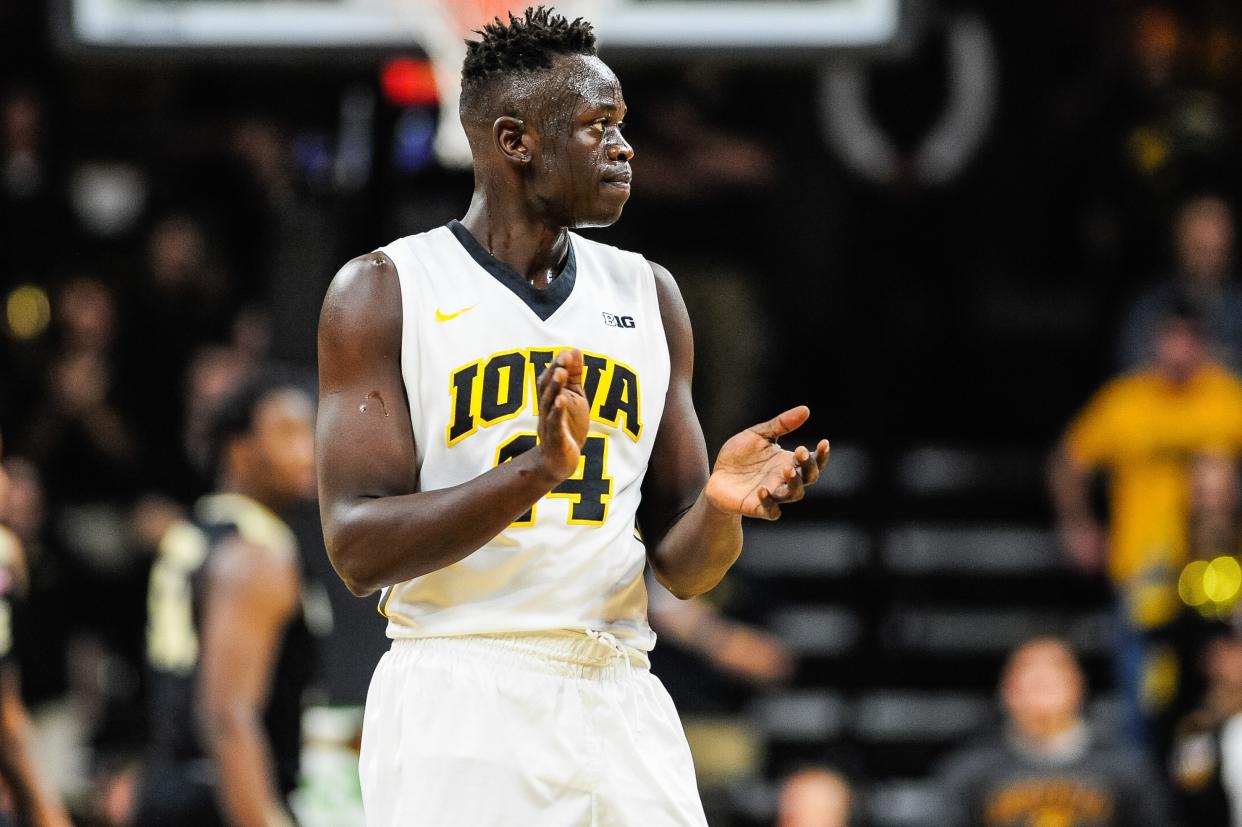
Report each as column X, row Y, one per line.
column 246, row 571
column 590, row 245
column 667, row 291
column 1125, row 389
column 1222, row 379
column 368, row 288
column 361, row 316
column 672, row 308
column 361, row 281
column 622, row 264
column 239, row 555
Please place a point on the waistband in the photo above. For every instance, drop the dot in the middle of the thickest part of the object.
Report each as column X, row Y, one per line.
column 565, row 653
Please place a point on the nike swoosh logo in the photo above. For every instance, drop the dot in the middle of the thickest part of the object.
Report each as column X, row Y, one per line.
column 444, row 317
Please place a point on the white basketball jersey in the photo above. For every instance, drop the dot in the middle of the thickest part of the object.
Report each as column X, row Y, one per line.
column 476, row 337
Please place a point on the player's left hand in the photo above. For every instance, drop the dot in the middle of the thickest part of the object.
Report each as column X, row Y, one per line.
column 754, row 475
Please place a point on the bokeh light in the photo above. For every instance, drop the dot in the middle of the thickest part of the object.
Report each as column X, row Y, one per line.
column 1222, row 580
column 27, row 312
column 1190, row 584
column 409, row 82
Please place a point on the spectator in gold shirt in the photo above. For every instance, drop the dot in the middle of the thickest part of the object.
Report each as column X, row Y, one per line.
column 1145, row 430
column 1048, row 766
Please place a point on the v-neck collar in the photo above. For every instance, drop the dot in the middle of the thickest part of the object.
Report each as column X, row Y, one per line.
column 542, row 302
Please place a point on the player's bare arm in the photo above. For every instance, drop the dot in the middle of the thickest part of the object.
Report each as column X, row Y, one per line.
column 34, row 801
column 378, row 527
column 1081, row 533
column 252, row 592
column 692, row 519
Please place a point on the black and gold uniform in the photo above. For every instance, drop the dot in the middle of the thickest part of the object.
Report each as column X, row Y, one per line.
column 1196, row 765
column 1081, row 781
column 178, row 785
column 11, row 562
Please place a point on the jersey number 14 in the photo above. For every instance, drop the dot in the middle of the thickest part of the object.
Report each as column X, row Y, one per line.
column 589, row 490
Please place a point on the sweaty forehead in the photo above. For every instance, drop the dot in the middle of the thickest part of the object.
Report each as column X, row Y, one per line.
column 586, row 81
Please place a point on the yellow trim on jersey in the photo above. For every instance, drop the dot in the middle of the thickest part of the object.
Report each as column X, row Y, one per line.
column 385, row 599
column 628, row 417
column 471, row 403
column 637, row 402
column 524, row 355
column 601, row 387
column 579, row 474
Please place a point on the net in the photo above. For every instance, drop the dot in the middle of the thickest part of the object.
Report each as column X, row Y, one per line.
column 443, row 26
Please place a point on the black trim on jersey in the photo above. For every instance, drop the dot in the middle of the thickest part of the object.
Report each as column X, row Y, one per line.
column 542, row 302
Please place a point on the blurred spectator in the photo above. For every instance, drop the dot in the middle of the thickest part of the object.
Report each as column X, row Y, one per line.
column 1204, row 241
column 90, row 459
column 28, row 193
column 1206, row 760
column 23, row 174
column 81, row 439
column 1144, row 429
column 1172, row 133
column 214, row 372
column 814, row 797
column 735, row 648
column 1214, row 537
column 181, row 304
column 1048, row 766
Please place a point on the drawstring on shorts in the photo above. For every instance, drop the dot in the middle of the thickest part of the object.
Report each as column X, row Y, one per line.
column 618, row 650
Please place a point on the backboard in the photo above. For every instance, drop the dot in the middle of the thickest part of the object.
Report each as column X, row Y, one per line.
column 726, row 27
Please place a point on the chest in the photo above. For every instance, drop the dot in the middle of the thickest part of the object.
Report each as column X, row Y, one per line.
column 1078, row 800
column 1159, row 429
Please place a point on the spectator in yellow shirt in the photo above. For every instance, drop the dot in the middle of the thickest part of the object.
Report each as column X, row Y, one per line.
column 1145, row 430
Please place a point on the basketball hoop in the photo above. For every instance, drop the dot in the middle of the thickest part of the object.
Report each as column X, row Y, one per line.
column 442, row 28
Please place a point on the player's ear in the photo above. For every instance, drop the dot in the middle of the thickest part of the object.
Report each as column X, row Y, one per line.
column 512, row 140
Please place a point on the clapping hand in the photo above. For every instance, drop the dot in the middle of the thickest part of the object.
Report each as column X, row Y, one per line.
column 754, row 476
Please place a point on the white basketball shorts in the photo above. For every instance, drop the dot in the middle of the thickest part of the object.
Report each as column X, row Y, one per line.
column 555, row 730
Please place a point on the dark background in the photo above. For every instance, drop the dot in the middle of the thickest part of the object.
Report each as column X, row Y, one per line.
column 941, row 331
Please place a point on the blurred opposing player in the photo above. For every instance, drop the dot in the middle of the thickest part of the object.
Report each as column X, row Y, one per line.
column 227, row 641
column 496, row 398
column 35, row 803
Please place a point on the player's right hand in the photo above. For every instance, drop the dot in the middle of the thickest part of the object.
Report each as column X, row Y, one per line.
column 564, row 415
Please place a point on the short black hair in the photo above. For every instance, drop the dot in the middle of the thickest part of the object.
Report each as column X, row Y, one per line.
column 234, row 416
column 525, row 44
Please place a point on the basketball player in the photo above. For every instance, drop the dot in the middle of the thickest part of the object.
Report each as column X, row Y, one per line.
column 33, row 800
column 228, row 645
column 497, row 397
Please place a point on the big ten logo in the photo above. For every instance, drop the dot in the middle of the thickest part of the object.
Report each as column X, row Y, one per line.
column 618, row 321
column 502, row 386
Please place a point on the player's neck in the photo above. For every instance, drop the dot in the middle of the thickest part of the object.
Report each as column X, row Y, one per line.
column 527, row 243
